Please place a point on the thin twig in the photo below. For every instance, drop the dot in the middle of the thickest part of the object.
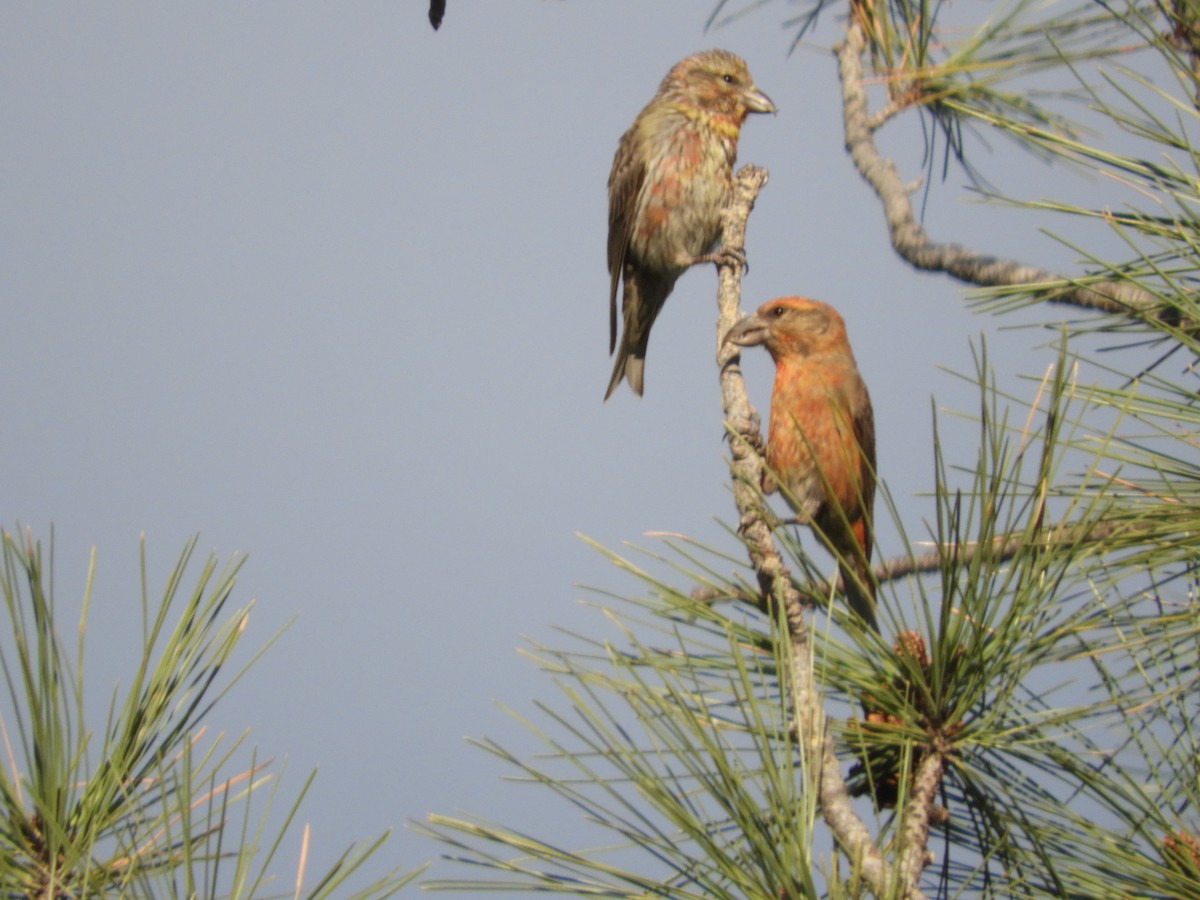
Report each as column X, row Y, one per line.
column 1002, row 547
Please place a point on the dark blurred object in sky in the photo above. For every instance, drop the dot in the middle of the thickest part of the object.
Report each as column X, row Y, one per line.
column 437, row 9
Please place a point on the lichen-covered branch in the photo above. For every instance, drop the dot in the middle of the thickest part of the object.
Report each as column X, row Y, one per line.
column 918, row 814
column 851, row 832
column 740, row 419
column 913, row 244
column 774, row 580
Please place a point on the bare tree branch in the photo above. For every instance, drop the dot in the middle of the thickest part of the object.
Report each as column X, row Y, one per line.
column 774, row 580
column 1002, row 547
column 740, row 418
column 1005, row 546
column 912, row 243
column 914, row 855
column 849, row 829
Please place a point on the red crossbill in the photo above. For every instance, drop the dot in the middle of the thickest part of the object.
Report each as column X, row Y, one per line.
column 669, row 182
column 821, row 439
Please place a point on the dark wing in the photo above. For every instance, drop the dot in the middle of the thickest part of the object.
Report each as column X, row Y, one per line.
column 624, row 184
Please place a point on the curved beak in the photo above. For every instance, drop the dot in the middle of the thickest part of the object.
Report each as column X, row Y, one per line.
column 757, row 101
column 749, row 332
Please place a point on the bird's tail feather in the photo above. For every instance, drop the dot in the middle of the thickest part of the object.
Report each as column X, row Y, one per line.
column 860, row 592
column 629, row 367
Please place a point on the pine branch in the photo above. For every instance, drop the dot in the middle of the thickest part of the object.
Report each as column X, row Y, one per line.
column 775, row 582
column 1002, row 547
column 921, row 811
column 740, row 418
column 912, row 243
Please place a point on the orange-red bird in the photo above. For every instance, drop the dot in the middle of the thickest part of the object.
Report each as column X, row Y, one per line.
column 669, row 182
column 821, row 439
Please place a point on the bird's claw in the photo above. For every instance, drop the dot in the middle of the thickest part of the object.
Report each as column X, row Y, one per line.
column 733, row 256
column 754, row 433
column 748, row 433
column 725, row 256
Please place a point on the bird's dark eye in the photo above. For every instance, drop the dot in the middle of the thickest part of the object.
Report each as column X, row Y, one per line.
column 728, row 79
column 778, row 311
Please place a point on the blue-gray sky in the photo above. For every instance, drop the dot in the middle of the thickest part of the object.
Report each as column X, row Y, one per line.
column 328, row 288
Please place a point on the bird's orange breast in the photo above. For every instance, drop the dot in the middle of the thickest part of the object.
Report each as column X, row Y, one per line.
column 812, row 441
